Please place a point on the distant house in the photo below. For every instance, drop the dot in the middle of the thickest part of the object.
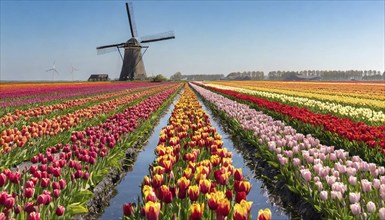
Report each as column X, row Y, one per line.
column 98, row 77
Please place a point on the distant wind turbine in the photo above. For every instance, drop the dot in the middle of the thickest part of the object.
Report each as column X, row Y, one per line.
column 73, row 69
column 53, row 70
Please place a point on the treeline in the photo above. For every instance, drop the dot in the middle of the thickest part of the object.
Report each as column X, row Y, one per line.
column 330, row 74
column 246, row 75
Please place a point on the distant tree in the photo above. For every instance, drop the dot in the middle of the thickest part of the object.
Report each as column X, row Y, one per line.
column 159, row 78
column 176, row 76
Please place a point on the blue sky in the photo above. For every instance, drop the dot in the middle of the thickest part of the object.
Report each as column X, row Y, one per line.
column 212, row 37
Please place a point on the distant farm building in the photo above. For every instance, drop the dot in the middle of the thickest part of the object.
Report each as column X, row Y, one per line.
column 98, row 77
column 301, row 77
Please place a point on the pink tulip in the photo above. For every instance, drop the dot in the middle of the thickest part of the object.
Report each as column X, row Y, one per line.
column 356, row 208
column 352, row 180
column 354, row 197
column 371, row 207
column 324, row 195
column 366, row 185
column 382, row 213
column 306, row 174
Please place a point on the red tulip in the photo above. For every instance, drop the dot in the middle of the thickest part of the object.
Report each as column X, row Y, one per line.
column 239, row 196
column 62, row 183
column 193, row 192
column 196, row 211
column 238, row 175
column 223, row 208
column 56, row 193
column 3, row 179
column 152, row 210
column 28, row 192
column 60, row 210
column 127, row 209
column 29, row 207
column 44, row 182
column 34, row 216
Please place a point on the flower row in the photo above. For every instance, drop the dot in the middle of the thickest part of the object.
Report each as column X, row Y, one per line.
column 360, row 94
column 337, row 184
column 192, row 176
column 373, row 136
column 13, row 138
column 27, row 114
column 58, row 182
column 364, row 114
column 41, row 93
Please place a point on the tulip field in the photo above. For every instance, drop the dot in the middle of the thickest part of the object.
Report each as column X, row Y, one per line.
column 333, row 160
column 61, row 142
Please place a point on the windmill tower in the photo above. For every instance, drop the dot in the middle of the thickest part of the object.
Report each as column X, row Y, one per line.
column 133, row 66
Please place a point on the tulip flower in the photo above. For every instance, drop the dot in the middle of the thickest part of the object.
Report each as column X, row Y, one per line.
column 204, row 186
column 264, row 214
column 240, row 212
column 60, row 210
column 223, row 208
column 371, row 207
column 34, row 216
column 3, row 179
column 28, row 192
column 127, row 209
column 152, row 210
column 355, row 208
column 157, row 180
column 196, row 211
column 193, row 192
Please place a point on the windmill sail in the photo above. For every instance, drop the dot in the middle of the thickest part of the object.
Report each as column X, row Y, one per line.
column 158, row 37
column 131, row 21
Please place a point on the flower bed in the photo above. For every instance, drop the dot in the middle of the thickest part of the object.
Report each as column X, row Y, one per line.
column 193, row 176
column 357, row 138
column 338, row 185
column 12, row 139
column 59, row 181
column 356, row 113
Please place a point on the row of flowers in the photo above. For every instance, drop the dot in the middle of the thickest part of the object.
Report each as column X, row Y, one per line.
column 373, row 136
column 42, row 93
column 192, row 176
column 344, row 93
column 13, row 138
column 364, row 114
column 35, row 112
column 59, row 181
column 338, row 185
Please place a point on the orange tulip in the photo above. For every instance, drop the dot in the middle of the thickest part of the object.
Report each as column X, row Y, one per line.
column 240, row 212
column 264, row 214
column 152, row 210
column 223, row 208
column 193, row 192
column 167, row 164
column 157, row 180
column 204, row 186
column 238, row 174
column 215, row 159
column 196, row 211
column 188, row 173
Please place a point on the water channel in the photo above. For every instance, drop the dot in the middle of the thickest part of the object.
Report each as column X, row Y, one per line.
column 128, row 189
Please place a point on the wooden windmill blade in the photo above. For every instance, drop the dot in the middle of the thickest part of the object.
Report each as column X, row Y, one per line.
column 131, row 21
column 158, row 37
column 109, row 48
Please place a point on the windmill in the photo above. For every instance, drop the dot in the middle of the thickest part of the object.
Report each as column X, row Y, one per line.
column 53, row 70
column 133, row 66
column 73, row 69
